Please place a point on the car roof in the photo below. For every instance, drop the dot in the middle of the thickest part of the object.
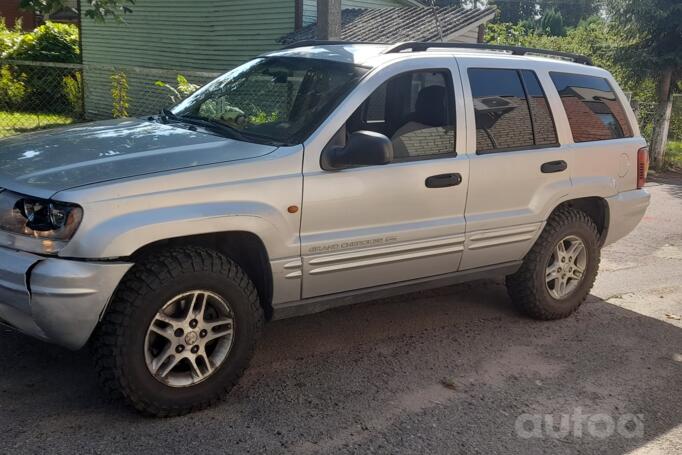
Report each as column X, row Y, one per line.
column 374, row 55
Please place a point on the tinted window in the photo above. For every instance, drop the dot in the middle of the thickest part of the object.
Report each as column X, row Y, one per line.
column 415, row 110
column 543, row 123
column 507, row 117
column 593, row 110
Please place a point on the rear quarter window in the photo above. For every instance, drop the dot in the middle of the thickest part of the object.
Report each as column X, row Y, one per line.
column 594, row 111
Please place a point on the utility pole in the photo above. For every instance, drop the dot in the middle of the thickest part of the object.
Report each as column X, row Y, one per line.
column 329, row 19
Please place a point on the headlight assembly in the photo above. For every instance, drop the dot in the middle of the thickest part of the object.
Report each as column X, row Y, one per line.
column 36, row 225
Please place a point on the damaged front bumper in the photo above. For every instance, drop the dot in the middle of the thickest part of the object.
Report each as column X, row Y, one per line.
column 57, row 300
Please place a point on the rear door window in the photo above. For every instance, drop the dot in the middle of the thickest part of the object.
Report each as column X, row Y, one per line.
column 592, row 107
column 511, row 110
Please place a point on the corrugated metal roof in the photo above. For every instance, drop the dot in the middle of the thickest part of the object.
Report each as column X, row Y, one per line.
column 390, row 25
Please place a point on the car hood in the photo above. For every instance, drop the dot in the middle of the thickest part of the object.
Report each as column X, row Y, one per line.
column 42, row 164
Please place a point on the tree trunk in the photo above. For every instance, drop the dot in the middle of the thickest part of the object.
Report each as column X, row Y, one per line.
column 659, row 138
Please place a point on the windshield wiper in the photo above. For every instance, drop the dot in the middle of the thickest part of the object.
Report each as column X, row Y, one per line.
column 214, row 125
column 165, row 115
column 218, row 127
column 224, row 130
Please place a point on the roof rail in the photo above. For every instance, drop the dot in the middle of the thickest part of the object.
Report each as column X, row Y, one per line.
column 514, row 50
column 314, row 42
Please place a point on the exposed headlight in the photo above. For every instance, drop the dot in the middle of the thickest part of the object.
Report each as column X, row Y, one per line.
column 38, row 225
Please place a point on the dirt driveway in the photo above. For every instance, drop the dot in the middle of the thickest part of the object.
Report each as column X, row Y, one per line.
column 455, row 370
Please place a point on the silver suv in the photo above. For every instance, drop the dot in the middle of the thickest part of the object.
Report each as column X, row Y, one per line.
column 310, row 177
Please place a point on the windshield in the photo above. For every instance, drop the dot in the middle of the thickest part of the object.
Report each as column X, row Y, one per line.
column 274, row 99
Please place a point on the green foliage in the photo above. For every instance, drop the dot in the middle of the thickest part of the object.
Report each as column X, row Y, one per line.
column 8, row 37
column 673, row 156
column 263, row 117
column 50, row 42
column 183, row 89
column 12, row 89
column 13, row 122
column 591, row 38
column 572, row 12
column 651, row 34
column 119, row 95
column 552, row 23
column 515, row 11
column 73, row 90
column 98, row 10
column 54, row 88
column 528, row 11
column 676, row 120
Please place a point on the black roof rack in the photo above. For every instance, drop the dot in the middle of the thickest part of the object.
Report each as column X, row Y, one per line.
column 417, row 46
column 314, row 42
column 515, row 50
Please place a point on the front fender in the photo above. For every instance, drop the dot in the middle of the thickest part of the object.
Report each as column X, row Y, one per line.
column 122, row 235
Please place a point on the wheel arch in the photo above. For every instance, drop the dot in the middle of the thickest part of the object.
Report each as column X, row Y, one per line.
column 243, row 247
column 597, row 208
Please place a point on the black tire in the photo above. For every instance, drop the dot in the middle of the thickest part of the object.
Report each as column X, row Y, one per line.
column 527, row 287
column 119, row 341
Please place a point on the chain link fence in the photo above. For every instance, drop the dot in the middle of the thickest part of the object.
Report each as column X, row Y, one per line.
column 40, row 95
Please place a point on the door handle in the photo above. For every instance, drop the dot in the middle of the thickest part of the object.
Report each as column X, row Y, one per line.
column 443, row 180
column 554, row 166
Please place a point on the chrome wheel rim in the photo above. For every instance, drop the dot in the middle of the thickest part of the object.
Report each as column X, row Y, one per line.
column 189, row 338
column 566, row 267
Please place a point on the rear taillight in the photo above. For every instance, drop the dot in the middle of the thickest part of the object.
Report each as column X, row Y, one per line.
column 642, row 166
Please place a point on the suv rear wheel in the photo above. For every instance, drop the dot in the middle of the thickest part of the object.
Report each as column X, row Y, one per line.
column 559, row 271
column 179, row 333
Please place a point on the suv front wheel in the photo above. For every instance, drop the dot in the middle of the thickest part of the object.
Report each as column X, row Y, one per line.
column 180, row 332
column 557, row 274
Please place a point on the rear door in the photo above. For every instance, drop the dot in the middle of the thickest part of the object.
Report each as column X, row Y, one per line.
column 375, row 225
column 517, row 166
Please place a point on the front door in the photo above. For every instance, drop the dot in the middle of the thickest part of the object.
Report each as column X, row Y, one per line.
column 375, row 225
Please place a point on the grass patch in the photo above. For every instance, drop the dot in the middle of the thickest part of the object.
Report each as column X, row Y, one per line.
column 673, row 155
column 12, row 123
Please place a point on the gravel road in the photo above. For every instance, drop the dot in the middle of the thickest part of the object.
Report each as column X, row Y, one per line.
column 455, row 370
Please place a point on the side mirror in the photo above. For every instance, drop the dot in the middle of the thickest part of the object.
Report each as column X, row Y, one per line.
column 364, row 148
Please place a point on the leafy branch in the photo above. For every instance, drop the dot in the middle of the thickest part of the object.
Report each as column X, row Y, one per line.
column 98, row 10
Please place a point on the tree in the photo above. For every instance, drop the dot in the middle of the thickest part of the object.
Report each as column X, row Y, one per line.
column 552, row 23
column 99, row 10
column 515, row 11
column 572, row 11
column 652, row 33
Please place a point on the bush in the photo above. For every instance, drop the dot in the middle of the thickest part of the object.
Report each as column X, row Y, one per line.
column 8, row 37
column 12, row 89
column 48, row 43
column 45, row 89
